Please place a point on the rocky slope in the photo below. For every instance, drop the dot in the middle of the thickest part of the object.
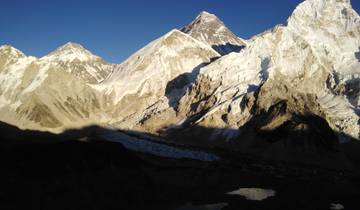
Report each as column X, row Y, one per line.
column 152, row 80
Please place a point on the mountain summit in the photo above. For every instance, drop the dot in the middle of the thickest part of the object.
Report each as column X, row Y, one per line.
column 9, row 51
column 211, row 30
column 69, row 53
column 74, row 58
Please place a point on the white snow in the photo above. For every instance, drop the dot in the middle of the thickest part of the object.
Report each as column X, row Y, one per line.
column 152, row 67
column 255, row 194
column 72, row 57
column 68, row 53
column 15, row 105
column 11, row 51
column 38, row 79
column 342, row 113
column 4, row 101
column 11, row 79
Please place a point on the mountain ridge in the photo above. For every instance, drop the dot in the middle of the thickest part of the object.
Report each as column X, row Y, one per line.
column 182, row 80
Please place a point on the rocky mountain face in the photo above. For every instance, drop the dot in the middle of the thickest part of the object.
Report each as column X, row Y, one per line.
column 295, row 85
column 53, row 92
column 211, row 30
column 310, row 64
column 76, row 60
column 303, row 70
column 67, row 88
column 152, row 80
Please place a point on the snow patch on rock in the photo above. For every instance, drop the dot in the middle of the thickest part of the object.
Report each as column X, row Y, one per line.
column 255, row 194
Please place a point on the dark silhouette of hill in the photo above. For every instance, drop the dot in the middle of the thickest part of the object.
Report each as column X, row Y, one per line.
column 79, row 170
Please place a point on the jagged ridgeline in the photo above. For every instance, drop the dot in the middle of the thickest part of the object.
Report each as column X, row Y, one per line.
column 200, row 76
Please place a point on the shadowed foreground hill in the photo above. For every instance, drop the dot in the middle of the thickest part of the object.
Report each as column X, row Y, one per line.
column 78, row 170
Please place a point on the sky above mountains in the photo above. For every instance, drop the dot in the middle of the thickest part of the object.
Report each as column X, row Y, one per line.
column 115, row 29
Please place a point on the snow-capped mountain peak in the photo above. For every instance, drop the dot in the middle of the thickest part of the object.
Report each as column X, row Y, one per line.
column 166, row 54
column 209, row 29
column 77, row 60
column 321, row 23
column 329, row 13
column 170, row 34
column 206, row 16
column 71, row 46
column 7, row 50
column 70, row 52
column 175, row 34
column 154, row 77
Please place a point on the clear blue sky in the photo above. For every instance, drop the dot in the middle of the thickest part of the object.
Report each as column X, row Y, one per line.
column 114, row 29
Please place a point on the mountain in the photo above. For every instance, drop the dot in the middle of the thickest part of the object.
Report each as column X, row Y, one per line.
column 150, row 81
column 196, row 107
column 75, row 59
column 57, row 91
column 259, row 98
column 308, row 67
column 51, row 92
column 13, row 63
column 211, row 30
